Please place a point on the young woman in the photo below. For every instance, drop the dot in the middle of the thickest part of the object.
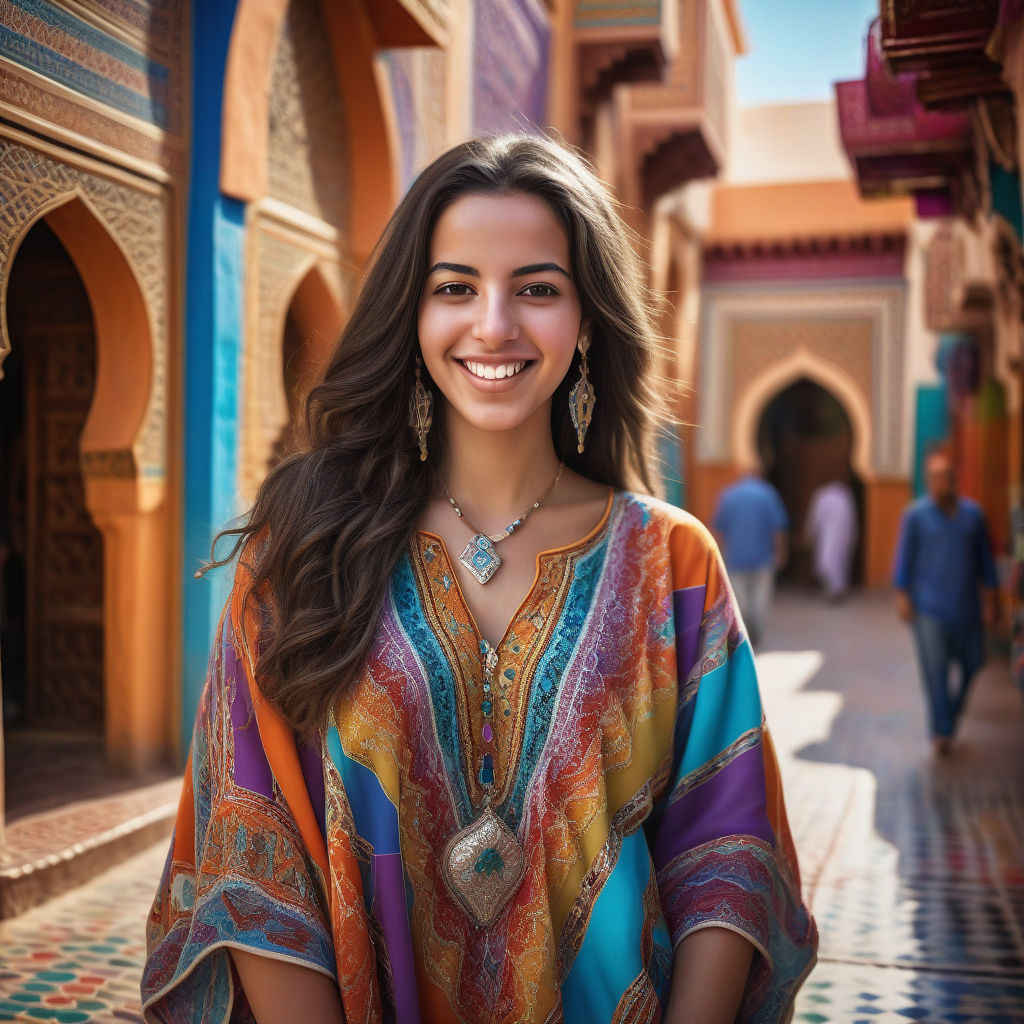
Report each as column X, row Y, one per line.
column 481, row 738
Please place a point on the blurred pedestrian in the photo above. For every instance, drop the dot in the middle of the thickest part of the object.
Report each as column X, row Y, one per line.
column 947, row 590
column 832, row 530
column 751, row 525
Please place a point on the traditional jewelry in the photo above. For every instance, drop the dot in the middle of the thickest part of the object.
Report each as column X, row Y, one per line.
column 421, row 411
column 484, row 862
column 481, row 557
column 582, row 398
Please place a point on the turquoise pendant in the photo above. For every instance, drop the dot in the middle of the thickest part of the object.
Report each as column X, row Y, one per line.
column 481, row 558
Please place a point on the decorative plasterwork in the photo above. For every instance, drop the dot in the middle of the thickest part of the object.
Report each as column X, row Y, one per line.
column 280, row 255
column 307, row 157
column 793, row 365
column 803, row 329
column 134, row 212
column 105, row 76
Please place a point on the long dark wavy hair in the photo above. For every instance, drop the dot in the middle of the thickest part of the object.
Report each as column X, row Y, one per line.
column 331, row 520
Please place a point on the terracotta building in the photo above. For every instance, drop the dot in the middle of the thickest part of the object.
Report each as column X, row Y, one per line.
column 188, row 193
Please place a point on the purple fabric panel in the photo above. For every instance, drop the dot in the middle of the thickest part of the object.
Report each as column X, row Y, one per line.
column 688, row 607
column 312, row 763
column 391, row 909
column 251, row 768
column 731, row 802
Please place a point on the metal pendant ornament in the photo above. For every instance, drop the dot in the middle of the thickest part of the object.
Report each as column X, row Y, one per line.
column 582, row 398
column 483, row 865
column 484, row 862
column 421, row 411
column 481, row 557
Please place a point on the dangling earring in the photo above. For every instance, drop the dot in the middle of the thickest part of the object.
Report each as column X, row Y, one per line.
column 421, row 412
column 582, row 397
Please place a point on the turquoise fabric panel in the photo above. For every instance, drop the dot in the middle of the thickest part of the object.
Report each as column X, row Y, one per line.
column 375, row 816
column 727, row 705
column 1006, row 197
column 609, row 959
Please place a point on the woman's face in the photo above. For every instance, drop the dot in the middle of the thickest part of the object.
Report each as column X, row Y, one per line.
column 499, row 317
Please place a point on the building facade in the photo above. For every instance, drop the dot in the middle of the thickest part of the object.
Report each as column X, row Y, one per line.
column 190, row 193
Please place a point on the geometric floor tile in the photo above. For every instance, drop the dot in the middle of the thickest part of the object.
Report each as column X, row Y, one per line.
column 79, row 957
column 913, row 865
column 853, row 994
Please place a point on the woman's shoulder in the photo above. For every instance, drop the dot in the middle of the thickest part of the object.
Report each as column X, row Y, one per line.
column 683, row 530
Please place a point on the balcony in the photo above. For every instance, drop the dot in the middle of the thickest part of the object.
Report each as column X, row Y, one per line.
column 676, row 129
column 620, row 41
column 946, row 46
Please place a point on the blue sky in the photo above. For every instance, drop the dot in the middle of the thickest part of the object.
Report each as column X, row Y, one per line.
column 798, row 48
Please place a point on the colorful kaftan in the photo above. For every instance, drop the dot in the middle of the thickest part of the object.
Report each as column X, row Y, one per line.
column 631, row 760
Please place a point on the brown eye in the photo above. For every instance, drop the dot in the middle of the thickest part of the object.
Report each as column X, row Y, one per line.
column 454, row 288
column 539, row 291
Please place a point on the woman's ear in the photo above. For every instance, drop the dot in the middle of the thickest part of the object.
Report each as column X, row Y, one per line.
column 583, row 338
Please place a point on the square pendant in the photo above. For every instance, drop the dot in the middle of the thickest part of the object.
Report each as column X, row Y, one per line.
column 480, row 558
column 483, row 865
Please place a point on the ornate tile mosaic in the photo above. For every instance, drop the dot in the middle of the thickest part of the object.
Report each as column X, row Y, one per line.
column 79, row 957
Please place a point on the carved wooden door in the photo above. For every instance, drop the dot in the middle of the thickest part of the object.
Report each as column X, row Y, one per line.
column 64, row 598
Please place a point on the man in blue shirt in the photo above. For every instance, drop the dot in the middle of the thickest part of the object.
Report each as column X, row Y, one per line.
column 947, row 591
column 750, row 523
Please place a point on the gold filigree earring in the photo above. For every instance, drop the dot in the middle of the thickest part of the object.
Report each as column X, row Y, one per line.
column 582, row 397
column 421, row 411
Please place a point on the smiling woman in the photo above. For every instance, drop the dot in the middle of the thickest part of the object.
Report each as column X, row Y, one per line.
column 528, row 783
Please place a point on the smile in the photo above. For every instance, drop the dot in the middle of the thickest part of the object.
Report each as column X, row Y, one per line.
column 488, row 371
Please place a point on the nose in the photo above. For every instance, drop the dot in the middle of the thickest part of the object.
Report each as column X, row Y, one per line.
column 496, row 323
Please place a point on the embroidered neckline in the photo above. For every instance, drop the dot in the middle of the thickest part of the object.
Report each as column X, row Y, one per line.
column 519, row 650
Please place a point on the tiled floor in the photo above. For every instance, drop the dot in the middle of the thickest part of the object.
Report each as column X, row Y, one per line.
column 914, row 867
column 78, row 957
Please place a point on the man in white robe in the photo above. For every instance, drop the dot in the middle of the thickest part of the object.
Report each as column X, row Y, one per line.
column 832, row 529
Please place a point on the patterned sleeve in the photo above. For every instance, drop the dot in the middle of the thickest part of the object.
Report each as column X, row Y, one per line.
column 239, row 873
column 720, row 839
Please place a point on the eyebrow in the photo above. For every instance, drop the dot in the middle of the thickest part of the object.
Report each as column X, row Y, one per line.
column 533, row 268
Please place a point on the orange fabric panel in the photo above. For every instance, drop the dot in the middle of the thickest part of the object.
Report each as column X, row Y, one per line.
column 185, row 823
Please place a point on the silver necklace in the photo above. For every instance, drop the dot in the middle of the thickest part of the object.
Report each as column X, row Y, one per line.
column 481, row 557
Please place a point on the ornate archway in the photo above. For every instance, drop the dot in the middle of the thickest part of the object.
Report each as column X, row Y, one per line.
column 299, row 314
column 801, row 364
column 116, row 234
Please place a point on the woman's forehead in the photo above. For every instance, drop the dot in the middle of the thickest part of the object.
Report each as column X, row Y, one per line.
column 499, row 226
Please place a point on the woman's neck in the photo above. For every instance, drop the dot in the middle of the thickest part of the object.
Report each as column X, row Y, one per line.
column 496, row 475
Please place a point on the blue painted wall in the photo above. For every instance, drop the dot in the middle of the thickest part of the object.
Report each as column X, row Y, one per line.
column 213, row 332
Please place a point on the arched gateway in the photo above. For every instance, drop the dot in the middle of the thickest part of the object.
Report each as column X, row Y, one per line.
column 95, row 633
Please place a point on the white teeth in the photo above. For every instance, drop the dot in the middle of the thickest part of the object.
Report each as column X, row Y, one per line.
column 488, row 372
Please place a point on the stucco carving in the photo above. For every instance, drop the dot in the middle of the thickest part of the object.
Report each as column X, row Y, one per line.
column 855, row 335
column 307, row 145
column 137, row 219
column 280, row 260
column 757, row 344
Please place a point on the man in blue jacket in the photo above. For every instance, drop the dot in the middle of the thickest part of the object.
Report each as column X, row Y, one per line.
column 947, row 591
column 751, row 526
